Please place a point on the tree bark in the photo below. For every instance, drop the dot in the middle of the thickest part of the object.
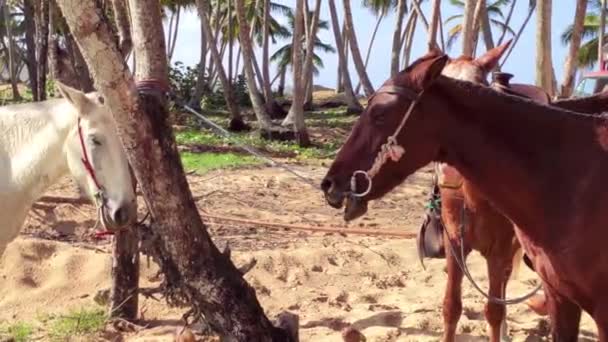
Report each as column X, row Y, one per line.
column 12, row 63
column 281, row 88
column 339, row 79
column 354, row 49
column 434, row 25
column 29, row 13
column 575, row 44
column 467, row 27
column 486, row 29
column 236, row 122
column 175, row 32
column 201, row 76
column 247, row 51
column 416, row 4
column 544, row 64
column 272, row 107
column 196, row 272
column 150, row 50
column 353, row 105
column 401, row 7
column 123, row 26
column 600, row 38
column 42, row 41
column 297, row 110
column 410, row 40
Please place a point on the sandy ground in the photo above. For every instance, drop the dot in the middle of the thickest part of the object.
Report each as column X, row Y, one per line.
column 329, row 280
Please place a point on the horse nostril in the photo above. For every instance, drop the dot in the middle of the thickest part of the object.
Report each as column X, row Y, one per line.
column 326, row 184
column 121, row 216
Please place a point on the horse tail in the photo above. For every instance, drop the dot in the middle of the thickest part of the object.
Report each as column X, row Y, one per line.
column 518, row 259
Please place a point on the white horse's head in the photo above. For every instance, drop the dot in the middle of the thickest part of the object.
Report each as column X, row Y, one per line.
column 97, row 160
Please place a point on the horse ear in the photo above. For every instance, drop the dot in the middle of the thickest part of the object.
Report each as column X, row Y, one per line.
column 434, row 71
column 76, row 98
column 490, row 59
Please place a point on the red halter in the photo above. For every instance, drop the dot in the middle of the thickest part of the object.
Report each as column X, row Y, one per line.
column 85, row 159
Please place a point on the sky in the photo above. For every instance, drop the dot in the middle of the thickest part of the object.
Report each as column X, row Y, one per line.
column 521, row 63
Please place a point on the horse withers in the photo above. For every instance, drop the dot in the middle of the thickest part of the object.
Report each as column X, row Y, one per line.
column 543, row 167
column 43, row 141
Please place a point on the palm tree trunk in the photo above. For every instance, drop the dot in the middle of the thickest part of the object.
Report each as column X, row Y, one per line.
column 401, row 7
column 340, row 78
column 486, row 30
column 433, row 27
column 507, row 23
column 11, row 53
column 352, row 103
column 297, row 109
column 236, row 120
column 410, row 40
column 416, row 4
column 30, row 43
column 236, row 65
column 468, row 32
column 519, row 33
column 247, row 50
column 201, row 79
column 175, row 31
column 441, row 33
column 354, row 48
column 272, row 106
column 42, row 44
column 369, row 48
column 575, row 43
column 123, row 25
column 169, row 31
column 281, row 87
column 600, row 38
column 230, row 42
column 544, row 64
column 477, row 17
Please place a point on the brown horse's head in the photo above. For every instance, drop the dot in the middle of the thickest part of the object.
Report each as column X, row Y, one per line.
column 384, row 113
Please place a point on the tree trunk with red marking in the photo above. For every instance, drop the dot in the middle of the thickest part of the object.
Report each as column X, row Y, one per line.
column 196, row 273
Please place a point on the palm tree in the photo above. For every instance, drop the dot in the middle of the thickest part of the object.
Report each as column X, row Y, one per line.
column 282, row 57
column 587, row 53
column 545, row 77
column 352, row 103
column 495, row 15
column 354, row 49
column 401, row 8
column 575, row 43
column 298, row 80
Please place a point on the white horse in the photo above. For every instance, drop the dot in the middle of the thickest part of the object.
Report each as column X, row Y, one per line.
column 43, row 141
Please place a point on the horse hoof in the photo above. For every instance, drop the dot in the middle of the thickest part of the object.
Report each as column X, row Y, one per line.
column 538, row 304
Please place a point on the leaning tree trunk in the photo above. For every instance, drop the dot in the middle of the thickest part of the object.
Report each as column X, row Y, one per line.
column 272, row 107
column 353, row 105
column 196, row 273
column 519, row 33
column 236, row 122
column 29, row 13
column 486, row 30
column 354, row 48
column 468, row 33
column 247, row 50
column 507, row 23
column 123, row 26
column 42, row 41
column 544, row 64
column 339, row 80
column 297, row 110
column 201, row 73
column 369, row 47
column 409, row 39
column 434, row 24
column 401, row 7
column 575, row 43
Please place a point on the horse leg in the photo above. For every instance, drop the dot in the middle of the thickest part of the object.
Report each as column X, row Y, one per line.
column 565, row 317
column 499, row 270
column 452, row 302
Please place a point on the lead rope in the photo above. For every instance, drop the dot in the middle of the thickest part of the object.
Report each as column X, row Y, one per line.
column 461, row 262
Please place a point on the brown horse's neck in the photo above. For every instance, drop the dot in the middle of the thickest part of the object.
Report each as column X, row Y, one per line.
column 591, row 104
column 526, row 158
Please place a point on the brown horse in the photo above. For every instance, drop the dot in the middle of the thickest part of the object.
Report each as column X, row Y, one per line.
column 542, row 166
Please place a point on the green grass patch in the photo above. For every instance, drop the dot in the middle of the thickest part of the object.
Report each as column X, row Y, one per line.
column 18, row 332
column 76, row 323
column 204, row 162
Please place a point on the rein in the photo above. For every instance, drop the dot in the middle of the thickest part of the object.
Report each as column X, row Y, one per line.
column 99, row 196
column 391, row 148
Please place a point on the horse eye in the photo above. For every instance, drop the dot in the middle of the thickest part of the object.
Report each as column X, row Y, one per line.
column 95, row 141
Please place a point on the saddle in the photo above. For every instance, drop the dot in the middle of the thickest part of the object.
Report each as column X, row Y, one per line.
column 429, row 239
